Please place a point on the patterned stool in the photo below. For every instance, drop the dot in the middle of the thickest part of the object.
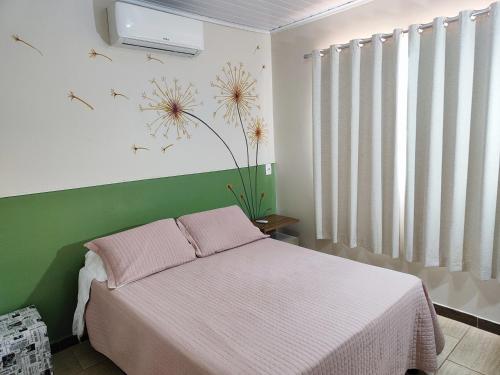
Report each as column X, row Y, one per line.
column 24, row 344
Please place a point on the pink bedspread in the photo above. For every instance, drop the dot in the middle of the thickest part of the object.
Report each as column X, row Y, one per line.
column 267, row 308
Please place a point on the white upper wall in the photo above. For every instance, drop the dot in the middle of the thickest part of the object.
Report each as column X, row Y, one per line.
column 49, row 143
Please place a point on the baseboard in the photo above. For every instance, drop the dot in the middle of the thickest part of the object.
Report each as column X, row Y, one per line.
column 469, row 319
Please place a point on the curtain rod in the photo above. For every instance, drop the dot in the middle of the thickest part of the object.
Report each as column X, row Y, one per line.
column 424, row 26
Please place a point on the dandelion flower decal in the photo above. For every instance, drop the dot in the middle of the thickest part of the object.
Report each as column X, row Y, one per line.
column 257, row 132
column 236, row 93
column 171, row 104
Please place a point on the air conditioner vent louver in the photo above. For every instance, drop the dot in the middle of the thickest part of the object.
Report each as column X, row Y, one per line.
column 177, row 52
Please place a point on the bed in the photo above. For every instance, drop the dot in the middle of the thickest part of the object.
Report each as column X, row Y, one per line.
column 267, row 307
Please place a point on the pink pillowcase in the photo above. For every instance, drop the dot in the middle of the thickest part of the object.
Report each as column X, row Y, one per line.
column 136, row 253
column 217, row 230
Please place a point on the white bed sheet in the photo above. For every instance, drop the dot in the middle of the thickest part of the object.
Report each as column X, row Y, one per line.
column 92, row 270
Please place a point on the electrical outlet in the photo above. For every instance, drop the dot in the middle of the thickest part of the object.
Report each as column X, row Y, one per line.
column 269, row 169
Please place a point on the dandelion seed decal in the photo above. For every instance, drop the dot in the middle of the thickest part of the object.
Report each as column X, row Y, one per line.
column 164, row 149
column 236, row 93
column 257, row 132
column 72, row 96
column 136, row 148
column 18, row 39
column 171, row 105
column 256, row 48
column 150, row 57
column 114, row 94
column 93, row 54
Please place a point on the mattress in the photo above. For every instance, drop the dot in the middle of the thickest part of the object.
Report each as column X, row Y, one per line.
column 267, row 308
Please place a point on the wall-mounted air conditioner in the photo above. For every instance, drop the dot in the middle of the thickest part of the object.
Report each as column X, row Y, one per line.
column 137, row 26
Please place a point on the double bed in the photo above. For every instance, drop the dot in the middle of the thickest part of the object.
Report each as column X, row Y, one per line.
column 266, row 307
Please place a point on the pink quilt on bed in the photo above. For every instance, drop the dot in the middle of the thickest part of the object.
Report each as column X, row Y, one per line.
column 267, row 308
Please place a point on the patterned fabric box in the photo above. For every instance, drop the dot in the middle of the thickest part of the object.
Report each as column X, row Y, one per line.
column 24, row 344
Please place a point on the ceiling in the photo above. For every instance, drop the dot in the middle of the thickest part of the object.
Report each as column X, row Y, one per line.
column 265, row 15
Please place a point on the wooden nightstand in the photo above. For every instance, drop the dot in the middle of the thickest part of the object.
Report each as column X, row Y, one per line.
column 275, row 222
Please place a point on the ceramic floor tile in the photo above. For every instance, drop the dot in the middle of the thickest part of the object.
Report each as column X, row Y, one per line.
column 104, row 368
column 450, row 368
column 86, row 355
column 66, row 363
column 452, row 327
column 449, row 344
column 478, row 350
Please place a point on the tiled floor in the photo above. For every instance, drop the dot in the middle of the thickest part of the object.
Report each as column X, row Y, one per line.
column 81, row 359
column 468, row 351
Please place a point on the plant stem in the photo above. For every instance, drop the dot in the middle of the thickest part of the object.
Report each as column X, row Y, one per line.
column 251, row 201
column 229, row 149
column 236, row 198
column 256, row 170
column 260, row 202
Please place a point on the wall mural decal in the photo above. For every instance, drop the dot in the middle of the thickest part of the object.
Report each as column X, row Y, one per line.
column 164, row 149
column 175, row 105
column 257, row 132
column 257, row 135
column 236, row 93
column 172, row 106
column 114, row 94
column 93, row 54
column 72, row 96
column 136, row 148
column 18, row 39
column 150, row 57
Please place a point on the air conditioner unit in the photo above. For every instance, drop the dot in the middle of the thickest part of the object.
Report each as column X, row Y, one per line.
column 137, row 26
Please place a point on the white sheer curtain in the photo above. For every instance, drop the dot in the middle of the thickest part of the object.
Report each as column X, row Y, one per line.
column 407, row 144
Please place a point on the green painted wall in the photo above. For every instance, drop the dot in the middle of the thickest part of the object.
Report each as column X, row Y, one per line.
column 41, row 235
